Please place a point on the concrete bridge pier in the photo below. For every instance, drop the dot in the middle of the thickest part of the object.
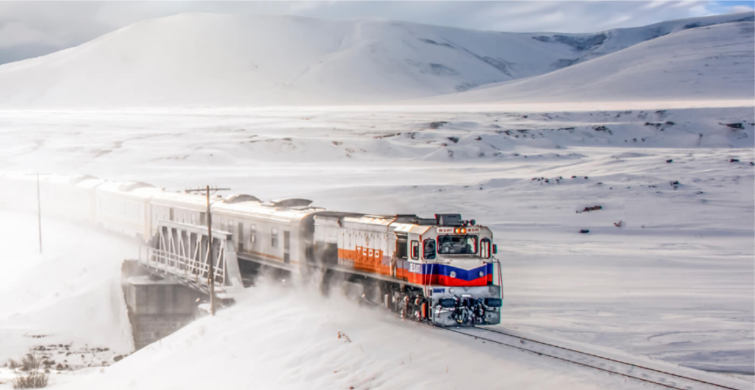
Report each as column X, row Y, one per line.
column 157, row 307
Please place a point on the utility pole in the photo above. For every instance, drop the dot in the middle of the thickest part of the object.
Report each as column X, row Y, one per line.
column 211, row 261
column 39, row 215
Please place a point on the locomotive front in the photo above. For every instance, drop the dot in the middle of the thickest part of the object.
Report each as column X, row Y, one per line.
column 454, row 261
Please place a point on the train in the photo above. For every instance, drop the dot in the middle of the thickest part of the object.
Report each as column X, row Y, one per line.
column 441, row 270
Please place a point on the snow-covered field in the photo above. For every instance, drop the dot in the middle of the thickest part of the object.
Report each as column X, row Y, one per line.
column 674, row 283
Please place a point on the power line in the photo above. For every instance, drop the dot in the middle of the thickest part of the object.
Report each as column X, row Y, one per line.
column 39, row 215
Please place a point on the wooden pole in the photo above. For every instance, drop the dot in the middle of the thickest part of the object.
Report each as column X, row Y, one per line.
column 211, row 260
column 39, row 215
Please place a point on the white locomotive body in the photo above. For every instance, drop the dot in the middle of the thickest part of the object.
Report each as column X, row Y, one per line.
column 438, row 269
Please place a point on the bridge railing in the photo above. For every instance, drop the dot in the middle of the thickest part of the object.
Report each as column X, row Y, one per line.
column 181, row 251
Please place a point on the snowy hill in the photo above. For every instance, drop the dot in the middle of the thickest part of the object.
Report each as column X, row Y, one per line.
column 220, row 60
column 707, row 63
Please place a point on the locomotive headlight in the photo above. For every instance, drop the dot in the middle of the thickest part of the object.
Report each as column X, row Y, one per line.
column 451, row 290
column 482, row 273
column 453, row 274
column 463, row 231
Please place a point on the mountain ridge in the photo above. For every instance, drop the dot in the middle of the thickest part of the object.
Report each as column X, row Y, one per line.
column 228, row 60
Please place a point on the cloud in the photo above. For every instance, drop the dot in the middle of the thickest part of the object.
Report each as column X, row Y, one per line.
column 739, row 8
column 33, row 27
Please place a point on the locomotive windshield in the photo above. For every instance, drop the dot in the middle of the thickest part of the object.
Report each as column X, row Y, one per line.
column 457, row 245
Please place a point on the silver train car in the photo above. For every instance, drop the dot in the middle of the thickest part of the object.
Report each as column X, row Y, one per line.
column 441, row 270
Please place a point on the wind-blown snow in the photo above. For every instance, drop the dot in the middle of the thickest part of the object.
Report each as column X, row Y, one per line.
column 231, row 60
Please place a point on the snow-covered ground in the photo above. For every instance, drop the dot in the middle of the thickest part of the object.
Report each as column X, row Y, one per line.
column 675, row 283
column 66, row 304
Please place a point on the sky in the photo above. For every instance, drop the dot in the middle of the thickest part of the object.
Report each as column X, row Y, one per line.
column 33, row 28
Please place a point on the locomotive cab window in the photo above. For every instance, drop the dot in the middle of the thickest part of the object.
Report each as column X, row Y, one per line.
column 485, row 248
column 429, row 249
column 457, row 245
column 415, row 250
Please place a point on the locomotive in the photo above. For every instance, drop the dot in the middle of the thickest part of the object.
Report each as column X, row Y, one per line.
column 440, row 270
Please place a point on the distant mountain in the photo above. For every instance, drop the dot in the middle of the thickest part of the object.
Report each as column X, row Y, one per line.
column 700, row 64
column 231, row 60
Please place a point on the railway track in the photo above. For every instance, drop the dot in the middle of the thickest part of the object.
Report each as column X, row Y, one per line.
column 641, row 373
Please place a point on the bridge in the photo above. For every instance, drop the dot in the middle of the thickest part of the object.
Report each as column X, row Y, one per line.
column 163, row 287
column 180, row 252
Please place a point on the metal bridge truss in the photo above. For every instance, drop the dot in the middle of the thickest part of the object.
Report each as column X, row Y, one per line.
column 180, row 252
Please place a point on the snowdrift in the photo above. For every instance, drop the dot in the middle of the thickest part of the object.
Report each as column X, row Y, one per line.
column 231, row 60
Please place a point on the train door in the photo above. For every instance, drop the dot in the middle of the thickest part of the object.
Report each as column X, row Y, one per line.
column 414, row 268
column 286, row 247
column 240, row 237
column 485, row 248
column 400, row 255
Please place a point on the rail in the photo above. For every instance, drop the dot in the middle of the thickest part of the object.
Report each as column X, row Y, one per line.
column 613, row 366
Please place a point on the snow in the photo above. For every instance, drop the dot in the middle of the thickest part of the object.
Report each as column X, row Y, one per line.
column 674, row 284
column 707, row 63
column 230, row 60
column 70, row 295
column 296, row 332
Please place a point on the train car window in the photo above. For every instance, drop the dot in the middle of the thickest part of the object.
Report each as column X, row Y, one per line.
column 429, row 249
column 485, row 248
column 274, row 238
column 457, row 245
column 252, row 233
column 171, row 213
column 203, row 218
column 240, row 236
column 415, row 250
